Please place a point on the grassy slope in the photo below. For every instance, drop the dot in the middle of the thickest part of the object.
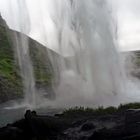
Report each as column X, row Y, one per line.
column 10, row 80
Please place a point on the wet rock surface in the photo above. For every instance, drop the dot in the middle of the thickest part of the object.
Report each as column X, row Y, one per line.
column 118, row 126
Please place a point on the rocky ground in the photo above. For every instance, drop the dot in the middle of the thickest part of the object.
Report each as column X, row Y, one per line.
column 122, row 125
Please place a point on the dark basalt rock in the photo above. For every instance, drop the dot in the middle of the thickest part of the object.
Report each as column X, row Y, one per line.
column 124, row 126
column 132, row 116
column 3, row 22
column 87, row 126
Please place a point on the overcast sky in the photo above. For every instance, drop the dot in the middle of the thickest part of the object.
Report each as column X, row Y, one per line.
column 127, row 14
column 128, row 18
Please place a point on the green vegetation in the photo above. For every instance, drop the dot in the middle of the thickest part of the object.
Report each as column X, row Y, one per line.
column 41, row 63
column 10, row 81
column 82, row 111
column 135, row 105
column 11, row 86
column 6, row 54
column 135, row 58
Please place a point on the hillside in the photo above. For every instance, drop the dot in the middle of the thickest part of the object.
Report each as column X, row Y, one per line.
column 10, row 80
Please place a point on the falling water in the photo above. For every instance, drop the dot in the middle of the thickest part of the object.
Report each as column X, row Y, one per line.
column 21, row 46
column 26, row 68
column 82, row 32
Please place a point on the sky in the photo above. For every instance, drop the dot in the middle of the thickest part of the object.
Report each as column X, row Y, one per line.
column 128, row 21
column 126, row 13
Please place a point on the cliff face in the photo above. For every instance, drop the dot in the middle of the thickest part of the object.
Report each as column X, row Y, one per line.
column 3, row 22
column 10, row 80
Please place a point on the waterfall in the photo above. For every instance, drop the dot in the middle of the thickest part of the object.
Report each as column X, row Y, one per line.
column 22, row 54
column 82, row 32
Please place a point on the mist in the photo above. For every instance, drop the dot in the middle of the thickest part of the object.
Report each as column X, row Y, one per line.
column 95, row 74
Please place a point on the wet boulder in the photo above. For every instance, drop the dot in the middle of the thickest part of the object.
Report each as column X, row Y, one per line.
column 87, row 126
column 132, row 116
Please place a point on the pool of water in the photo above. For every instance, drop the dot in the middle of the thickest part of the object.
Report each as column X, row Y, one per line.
column 11, row 112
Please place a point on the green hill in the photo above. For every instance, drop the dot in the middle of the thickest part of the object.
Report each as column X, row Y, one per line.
column 10, row 80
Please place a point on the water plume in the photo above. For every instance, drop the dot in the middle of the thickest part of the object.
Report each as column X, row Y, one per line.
column 82, row 32
column 21, row 47
column 89, row 71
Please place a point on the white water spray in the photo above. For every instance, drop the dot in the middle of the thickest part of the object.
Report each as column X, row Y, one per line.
column 90, row 72
column 82, row 32
column 21, row 46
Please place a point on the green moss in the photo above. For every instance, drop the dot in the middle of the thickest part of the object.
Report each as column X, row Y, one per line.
column 10, row 80
column 136, row 58
column 41, row 63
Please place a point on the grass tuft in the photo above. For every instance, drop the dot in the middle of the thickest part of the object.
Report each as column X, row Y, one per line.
column 86, row 111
